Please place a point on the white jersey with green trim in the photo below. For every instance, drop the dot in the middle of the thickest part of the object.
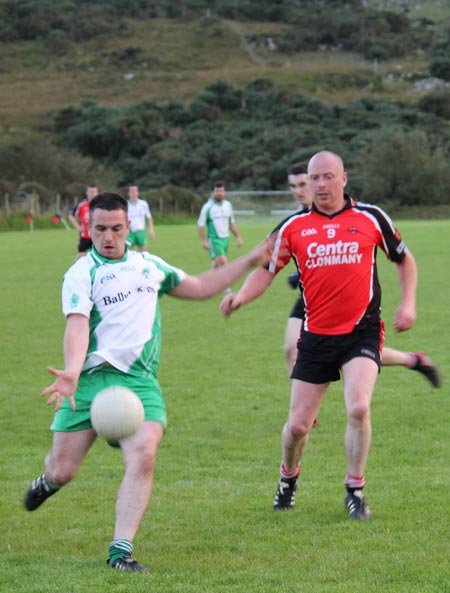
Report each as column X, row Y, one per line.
column 217, row 218
column 137, row 214
column 120, row 298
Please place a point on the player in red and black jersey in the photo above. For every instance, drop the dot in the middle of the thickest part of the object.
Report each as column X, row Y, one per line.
column 79, row 217
column 334, row 246
column 258, row 281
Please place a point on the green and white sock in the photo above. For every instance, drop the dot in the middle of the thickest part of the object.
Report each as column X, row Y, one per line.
column 118, row 548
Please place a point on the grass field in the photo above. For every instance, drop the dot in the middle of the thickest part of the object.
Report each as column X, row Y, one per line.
column 210, row 527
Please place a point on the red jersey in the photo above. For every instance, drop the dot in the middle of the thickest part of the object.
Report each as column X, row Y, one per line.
column 82, row 211
column 336, row 259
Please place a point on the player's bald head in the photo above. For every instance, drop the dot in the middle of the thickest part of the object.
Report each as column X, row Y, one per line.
column 324, row 159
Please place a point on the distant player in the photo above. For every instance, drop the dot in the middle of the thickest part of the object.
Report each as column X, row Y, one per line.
column 214, row 224
column 80, row 220
column 140, row 217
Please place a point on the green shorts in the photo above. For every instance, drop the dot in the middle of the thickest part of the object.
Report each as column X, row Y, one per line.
column 138, row 238
column 147, row 388
column 218, row 247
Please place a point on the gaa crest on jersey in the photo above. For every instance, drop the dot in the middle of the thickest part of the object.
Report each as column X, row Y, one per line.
column 74, row 300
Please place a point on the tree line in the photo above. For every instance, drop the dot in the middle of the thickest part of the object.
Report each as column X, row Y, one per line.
column 396, row 153
column 250, row 135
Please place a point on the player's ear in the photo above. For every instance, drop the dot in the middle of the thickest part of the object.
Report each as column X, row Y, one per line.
column 344, row 179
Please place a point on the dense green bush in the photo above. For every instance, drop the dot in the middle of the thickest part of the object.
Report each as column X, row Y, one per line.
column 437, row 102
column 376, row 34
column 402, row 168
column 33, row 160
column 439, row 55
column 53, row 19
column 247, row 135
column 172, row 202
column 350, row 25
column 440, row 67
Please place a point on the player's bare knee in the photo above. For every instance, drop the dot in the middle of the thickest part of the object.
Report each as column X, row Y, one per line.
column 59, row 472
column 359, row 412
column 142, row 461
column 298, row 428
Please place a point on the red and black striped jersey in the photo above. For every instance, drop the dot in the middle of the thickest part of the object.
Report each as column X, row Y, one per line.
column 336, row 259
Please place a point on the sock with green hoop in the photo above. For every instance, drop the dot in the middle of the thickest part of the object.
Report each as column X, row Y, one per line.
column 118, row 548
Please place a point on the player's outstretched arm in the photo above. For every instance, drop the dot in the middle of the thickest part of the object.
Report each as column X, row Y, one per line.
column 76, row 340
column 254, row 286
column 215, row 281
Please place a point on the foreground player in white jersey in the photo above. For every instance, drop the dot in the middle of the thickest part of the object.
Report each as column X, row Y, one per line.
column 112, row 337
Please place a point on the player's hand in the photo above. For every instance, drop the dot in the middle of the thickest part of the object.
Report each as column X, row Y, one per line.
column 230, row 303
column 404, row 318
column 239, row 241
column 205, row 245
column 63, row 386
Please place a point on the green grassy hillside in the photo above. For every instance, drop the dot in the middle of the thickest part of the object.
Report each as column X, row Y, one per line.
column 180, row 101
column 167, row 59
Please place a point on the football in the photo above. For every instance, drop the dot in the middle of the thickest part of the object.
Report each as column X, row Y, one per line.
column 116, row 413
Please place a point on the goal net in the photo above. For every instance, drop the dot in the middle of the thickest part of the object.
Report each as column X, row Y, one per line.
column 257, row 206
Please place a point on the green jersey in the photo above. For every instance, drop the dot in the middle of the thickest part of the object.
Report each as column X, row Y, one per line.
column 217, row 218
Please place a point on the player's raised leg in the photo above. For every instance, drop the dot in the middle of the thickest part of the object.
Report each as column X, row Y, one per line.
column 61, row 465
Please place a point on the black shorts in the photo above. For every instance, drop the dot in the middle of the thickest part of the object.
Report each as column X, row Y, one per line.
column 320, row 357
column 84, row 244
column 298, row 310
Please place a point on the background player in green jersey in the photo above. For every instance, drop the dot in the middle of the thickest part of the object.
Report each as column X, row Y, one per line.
column 140, row 219
column 214, row 224
column 112, row 336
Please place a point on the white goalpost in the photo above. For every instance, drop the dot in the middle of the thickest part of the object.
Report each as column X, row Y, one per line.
column 254, row 205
